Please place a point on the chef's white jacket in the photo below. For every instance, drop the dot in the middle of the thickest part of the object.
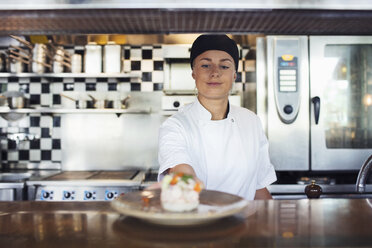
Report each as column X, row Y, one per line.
column 229, row 155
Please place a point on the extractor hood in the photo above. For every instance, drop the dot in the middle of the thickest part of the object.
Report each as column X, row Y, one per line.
column 331, row 17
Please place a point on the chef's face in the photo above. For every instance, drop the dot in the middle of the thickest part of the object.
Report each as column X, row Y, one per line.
column 214, row 73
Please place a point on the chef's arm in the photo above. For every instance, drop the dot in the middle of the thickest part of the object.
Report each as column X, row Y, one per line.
column 262, row 194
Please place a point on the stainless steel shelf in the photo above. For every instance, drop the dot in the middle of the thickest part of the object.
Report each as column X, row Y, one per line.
column 71, row 75
column 75, row 111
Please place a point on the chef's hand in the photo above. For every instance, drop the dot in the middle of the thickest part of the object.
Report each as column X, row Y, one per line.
column 181, row 168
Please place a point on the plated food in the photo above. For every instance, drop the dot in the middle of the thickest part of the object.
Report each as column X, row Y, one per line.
column 180, row 192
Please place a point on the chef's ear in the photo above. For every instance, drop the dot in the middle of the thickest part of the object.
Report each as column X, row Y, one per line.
column 235, row 75
column 193, row 74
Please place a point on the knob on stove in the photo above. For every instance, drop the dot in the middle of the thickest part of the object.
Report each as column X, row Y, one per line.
column 110, row 195
column 67, row 195
column 46, row 194
column 88, row 195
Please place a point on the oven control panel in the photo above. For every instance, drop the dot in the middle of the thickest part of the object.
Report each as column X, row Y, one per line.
column 60, row 193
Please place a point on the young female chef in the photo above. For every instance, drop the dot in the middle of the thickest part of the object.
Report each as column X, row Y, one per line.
column 222, row 145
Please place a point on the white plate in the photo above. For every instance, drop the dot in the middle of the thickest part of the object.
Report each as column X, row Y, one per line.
column 213, row 205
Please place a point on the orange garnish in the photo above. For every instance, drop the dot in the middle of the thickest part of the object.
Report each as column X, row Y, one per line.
column 174, row 180
column 146, row 200
column 197, row 187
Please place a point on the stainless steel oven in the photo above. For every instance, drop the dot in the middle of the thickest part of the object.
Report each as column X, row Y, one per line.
column 314, row 96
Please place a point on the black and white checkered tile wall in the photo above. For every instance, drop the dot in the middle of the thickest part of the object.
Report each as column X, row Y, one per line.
column 45, row 91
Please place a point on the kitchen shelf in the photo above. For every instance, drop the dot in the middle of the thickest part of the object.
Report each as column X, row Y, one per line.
column 75, row 111
column 71, row 75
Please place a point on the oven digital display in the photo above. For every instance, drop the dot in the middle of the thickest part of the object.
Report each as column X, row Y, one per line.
column 287, row 73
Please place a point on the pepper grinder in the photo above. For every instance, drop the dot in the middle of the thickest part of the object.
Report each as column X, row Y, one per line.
column 313, row 190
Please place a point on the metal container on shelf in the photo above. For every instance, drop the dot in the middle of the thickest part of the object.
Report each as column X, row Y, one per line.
column 111, row 59
column 93, row 58
column 76, row 63
column 39, row 58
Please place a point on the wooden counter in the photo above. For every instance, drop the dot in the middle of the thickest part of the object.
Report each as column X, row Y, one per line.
column 274, row 223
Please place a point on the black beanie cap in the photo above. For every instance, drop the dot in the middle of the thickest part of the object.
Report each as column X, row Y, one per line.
column 208, row 42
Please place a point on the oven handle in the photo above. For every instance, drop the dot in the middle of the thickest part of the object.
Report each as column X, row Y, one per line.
column 316, row 102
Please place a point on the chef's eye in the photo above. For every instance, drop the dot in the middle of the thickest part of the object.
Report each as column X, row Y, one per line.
column 225, row 67
column 205, row 66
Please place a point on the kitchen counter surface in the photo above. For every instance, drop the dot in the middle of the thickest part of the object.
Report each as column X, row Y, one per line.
column 274, row 223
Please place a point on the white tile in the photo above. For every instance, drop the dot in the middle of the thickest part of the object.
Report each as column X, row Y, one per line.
column 13, row 86
column 45, row 144
column 35, row 88
column 56, row 155
column 123, row 87
column 147, row 86
column 46, row 100
column 23, row 80
column 68, row 80
column 158, row 77
column 135, row 54
column 24, row 122
column 35, row 130
column 79, row 87
column 13, row 129
column 56, row 133
column 157, row 54
column 101, row 87
column 13, row 155
column 57, row 87
column 147, row 65
column 3, row 80
column 91, row 80
column 35, row 155
column 46, row 121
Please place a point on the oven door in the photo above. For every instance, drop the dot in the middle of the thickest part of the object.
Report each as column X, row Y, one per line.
column 341, row 96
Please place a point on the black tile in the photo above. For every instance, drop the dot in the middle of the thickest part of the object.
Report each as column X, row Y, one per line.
column 135, row 86
column 56, row 121
column 46, row 154
column 238, row 77
column 25, row 88
column 102, row 80
column 4, row 155
column 147, row 76
column 56, row 144
column 35, row 80
column 35, row 144
column 12, row 145
column 158, row 86
column 45, row 132
column 79, row 80
column 57, row 80
column 156, row 47
column 127, row 54
column 146, row 54
column 158, row 65
column 90, row 86
column 250, row 76
column 34, row 99
column 135, row 65
column 45, row 88
column 56, row 99
column 112, row 86
column 124, row 80
column 68, row 86
column 24, row 155
column 13, row 79
column 135, row 47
